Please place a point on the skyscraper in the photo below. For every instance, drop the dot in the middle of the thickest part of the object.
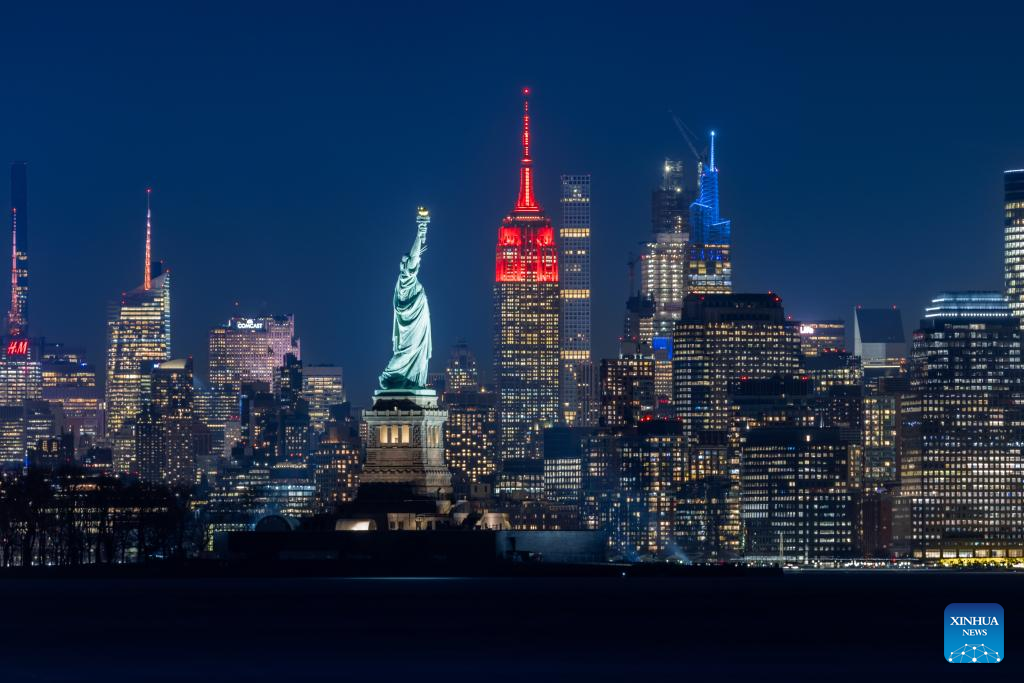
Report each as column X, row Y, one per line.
column 323, row 386
column 960, row 462
column 709, row 262
column 663, row 272
column 526, row 317
column 730, row 352
column 138, row 330
column 577, row 381
column 669, row 202
column 879, row 341
column 245, row 350
column 1013, row 236
column 797, row 500
column 461, row 372
column 172, row 396
column 17, row 316
column 471, row 437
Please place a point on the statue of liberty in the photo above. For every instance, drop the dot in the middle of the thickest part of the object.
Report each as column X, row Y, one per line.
column 410, row 338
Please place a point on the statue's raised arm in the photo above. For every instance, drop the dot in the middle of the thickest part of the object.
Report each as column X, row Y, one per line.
column 419, row 244
column 411, row 343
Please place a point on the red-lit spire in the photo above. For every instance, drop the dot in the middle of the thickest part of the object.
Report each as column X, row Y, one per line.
column 149, row 233
column 526, row 201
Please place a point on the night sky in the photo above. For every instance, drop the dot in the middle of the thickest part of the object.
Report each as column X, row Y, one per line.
column 861, row 153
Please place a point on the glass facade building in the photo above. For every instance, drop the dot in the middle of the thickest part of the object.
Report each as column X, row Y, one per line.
column 577, row 380
column 1013, row 236
column 960, row 465
column 138, row 330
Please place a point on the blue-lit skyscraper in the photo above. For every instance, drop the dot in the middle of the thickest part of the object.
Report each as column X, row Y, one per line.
column 578, row 403
column 709, row 266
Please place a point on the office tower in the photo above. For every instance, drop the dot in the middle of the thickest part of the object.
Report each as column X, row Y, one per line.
column 721, row 340
column 471, row 438
column 245, row 350
column 21, row 376
column 17, row 316
column 833, row 368
column 881, row 431
column 564, row 462
column 71, row 382
column 879, row 341
column 12, row 437
column 650, row 479
column 663, row 281
column 577, row 381
column 796, row 498
column 663, row 278
column 627, row 390
column 821, row 336
column 336, row 460
column 150, row 451
column 638, row 326
column 323, row 386
column 461, row 372
column 172, row 395
column 1013, row 240
column 960, row 457
column 138, row 330
column 663, row 272
column 670, row 202
column 709, row 253
column 526, row 317
column 722, row 343
column 293, row 429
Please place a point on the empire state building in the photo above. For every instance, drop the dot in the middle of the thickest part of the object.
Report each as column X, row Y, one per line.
column 526, row 317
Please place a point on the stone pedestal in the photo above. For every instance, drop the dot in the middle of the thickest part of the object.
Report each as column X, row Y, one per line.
column 404, row 448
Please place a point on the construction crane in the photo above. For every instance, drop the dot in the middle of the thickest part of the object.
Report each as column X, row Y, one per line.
column 688, row 135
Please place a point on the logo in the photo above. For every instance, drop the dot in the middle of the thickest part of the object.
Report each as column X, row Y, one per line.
column 17, row 347
column 973, row 633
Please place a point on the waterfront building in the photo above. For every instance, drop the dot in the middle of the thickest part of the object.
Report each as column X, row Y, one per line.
column 960, row 454
column 796, row 500
column 726, row 346
column 527, row 309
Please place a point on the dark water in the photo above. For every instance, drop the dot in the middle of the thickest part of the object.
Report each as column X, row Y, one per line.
column 812, row 626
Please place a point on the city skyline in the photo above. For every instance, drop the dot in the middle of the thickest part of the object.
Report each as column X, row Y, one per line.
column 214, row 219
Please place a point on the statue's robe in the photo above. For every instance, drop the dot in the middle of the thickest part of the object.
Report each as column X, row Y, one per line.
column 410, row 340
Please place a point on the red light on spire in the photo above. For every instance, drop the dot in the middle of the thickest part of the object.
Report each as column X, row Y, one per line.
column 526, row 200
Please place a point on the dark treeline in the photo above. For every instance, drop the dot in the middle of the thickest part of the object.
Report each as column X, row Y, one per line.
column 70, row 517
